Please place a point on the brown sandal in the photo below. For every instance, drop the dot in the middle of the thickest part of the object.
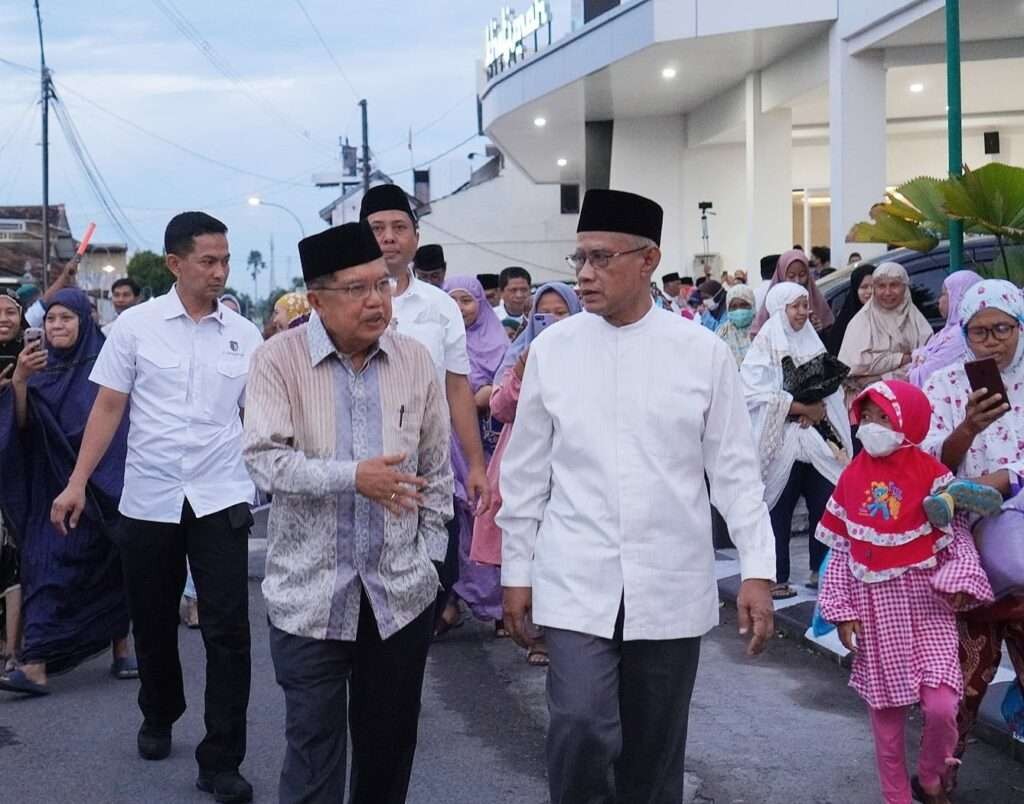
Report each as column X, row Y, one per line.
column 537, row 656
column 783, row 591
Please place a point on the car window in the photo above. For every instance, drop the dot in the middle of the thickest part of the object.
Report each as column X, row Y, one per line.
column 926, row 278
column 838, row 299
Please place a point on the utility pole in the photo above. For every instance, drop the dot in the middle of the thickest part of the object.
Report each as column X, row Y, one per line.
column 46, row 94
column 366, row 148
column 272, row 285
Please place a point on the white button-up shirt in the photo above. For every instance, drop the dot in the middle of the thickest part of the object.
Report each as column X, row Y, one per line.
column 432, row 317
column 187, row 384
column 602, row 483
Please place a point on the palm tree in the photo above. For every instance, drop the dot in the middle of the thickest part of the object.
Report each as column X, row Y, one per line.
column 256, row 264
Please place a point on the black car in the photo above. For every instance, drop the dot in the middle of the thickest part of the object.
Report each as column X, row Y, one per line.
column 927, row 273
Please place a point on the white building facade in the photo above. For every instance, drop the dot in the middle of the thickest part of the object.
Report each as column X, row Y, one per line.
column 790, row 118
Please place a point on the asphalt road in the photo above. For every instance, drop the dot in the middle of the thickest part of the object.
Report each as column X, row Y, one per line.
column 782, row 728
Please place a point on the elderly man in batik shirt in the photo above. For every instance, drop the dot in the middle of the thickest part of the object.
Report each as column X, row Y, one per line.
column 347, row 426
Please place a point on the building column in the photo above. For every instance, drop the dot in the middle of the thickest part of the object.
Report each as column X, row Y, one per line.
column 769, row 177
column 857, row 141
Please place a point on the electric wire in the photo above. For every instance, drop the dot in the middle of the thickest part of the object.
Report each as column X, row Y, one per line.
column 193, row 36
column 93, row 176
column 328, row 50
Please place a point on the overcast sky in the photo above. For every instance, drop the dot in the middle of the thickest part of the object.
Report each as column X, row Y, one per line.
column 275, row 106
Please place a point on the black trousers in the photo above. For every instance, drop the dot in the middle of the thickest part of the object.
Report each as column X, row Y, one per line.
column 153, row 555
column 619, row 714
column 804, row 481
column 381, row 681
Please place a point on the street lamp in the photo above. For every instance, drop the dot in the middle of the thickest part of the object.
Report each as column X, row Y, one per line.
column 256, row 201
column 108, row 268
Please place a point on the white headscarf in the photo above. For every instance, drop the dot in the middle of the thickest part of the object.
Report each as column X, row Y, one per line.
column 777, row 337
column 877, row 338
column 781, row 442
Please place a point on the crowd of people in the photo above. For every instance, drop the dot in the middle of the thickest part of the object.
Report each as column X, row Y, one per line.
column 432, row 452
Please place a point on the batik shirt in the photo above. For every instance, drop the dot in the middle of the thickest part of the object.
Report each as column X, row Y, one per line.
column 311, row 418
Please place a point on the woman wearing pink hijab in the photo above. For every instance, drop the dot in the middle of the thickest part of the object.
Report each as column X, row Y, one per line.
column 946, row 346
column 792, row 267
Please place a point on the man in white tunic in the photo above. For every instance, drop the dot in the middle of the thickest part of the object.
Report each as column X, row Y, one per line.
column 623, row 583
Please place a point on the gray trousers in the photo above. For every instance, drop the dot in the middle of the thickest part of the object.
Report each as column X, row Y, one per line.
column 379, row 682
column 619, row 712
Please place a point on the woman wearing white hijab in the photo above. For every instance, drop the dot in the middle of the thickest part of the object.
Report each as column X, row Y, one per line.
column 882, row 337
column 796, row 460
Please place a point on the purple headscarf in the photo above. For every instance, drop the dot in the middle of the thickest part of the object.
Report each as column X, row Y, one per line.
column 946, row 346
column 524, row 338
column 486, row 340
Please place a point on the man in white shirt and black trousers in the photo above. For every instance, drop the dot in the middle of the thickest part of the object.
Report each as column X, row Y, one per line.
column 429, row 315
column 624, row 586
column 180, row 363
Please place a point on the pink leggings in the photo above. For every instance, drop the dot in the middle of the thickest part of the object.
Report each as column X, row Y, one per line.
column 938, row 741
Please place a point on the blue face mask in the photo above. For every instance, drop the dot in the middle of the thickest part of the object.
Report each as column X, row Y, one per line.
column 741, row 319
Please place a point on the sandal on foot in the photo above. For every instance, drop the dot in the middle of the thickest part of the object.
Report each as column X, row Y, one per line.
column 499, row 630
column 125, row 668
column 537, row 657
column 939, row 508
column 975, row 497
column 783, row 591
column 19, row 682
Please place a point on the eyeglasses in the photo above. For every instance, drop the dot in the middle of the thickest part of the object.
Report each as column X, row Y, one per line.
column 598, row 259
column 1000, row 332
column 360, row 291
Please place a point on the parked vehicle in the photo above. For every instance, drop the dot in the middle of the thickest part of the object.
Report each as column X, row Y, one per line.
column 927, row 273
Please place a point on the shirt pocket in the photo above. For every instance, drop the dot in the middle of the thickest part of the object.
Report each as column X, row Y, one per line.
column 224, row 395
column 160, row 371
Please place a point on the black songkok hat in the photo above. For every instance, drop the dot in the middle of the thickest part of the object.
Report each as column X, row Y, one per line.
column 616, row 211
column 385, row 197
column 339, row 247
column 672, row 277
column 429, row 258
column 489, row 281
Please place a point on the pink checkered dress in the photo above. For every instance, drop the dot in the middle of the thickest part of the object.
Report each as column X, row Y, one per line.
column 908, row 632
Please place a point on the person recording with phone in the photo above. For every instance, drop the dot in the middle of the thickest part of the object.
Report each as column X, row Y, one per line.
column 74, row 595
column 977, row 431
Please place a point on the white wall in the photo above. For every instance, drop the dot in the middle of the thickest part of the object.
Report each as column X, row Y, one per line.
column 645, row 160
column 909, row 156
column 508, row 221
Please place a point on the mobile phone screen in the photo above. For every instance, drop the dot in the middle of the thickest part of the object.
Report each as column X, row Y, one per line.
column 542, row 321
column 985, row 374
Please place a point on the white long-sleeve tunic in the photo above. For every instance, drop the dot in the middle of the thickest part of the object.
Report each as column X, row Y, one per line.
column 603, row 488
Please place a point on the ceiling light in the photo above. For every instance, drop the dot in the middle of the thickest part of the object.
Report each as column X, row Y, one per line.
column 255, row 201
column 917, row 87
column 540, row 122
column 563, row 162
column 669, row 73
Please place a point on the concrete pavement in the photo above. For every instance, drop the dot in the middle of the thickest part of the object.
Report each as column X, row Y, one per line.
column 780, row 729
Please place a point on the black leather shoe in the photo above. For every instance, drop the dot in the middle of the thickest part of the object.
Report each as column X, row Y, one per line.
column 226, row 786
column 154, row 741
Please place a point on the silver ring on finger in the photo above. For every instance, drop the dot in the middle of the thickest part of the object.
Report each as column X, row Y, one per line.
column 393, row 495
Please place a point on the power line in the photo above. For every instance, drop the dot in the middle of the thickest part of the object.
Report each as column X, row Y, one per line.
column 327, row 49
column 512, row 260
column 179, row 146
column 93, row 176
column 433, row 159
column 427, row 127
column 160, row 138
column 196, row 39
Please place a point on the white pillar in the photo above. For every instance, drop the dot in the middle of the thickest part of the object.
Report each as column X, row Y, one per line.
column 857, row 140
column 805, row 241
column 769, row 199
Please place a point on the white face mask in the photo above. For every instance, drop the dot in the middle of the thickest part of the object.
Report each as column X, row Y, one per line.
column 879, row 441
column 710, row 305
